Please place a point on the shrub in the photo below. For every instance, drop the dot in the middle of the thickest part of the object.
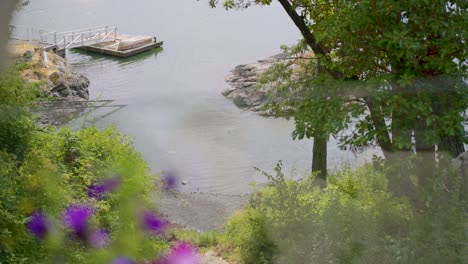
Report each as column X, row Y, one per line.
column 61, row 168
column 249, row 237
column 16, row 130
column 353, row 220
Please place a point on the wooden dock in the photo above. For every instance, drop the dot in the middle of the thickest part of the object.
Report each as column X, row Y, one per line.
column 103, row 40
column 134, row 45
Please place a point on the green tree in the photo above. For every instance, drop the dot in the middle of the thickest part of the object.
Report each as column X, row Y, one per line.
column 397, row 70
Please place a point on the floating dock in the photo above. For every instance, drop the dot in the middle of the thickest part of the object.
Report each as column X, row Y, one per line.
column 103, row 40
column 124, row 45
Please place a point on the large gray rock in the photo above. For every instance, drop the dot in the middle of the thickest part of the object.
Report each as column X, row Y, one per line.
column 60, row 80
column 70, row 85
column 243, row 87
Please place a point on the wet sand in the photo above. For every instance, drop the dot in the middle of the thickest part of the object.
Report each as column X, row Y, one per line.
column 199, row 211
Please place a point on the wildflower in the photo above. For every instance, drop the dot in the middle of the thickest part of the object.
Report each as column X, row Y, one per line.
column 122, row 260
column 108, row 185
column 99, row 239
column 76, row 218
column 170, row 180
column 182, row 253
column 154, row 223
column 38, row 224
column 96, row 191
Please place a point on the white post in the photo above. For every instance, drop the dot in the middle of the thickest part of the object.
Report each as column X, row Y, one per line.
column 115, row 34
column 55, row 38
column 46, row 59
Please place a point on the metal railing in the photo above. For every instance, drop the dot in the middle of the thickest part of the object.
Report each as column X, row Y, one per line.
column 79, row 38
column 30, row 33
column 67, row 39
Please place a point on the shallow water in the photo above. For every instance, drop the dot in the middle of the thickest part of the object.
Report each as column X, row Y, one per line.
column 171, row 97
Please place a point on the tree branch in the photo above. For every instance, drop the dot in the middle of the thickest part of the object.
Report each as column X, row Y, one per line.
column 308, row 35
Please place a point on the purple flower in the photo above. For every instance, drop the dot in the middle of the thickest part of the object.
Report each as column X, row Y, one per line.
column 153, row 223
column 99, row 239
column 182, row 253
column 76, row 218
column 96, row 191
column 122, row 260
column 38, row 224
column 108, row 185
column 170, row 180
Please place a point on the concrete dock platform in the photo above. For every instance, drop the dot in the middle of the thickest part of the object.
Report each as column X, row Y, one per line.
column 124, row 45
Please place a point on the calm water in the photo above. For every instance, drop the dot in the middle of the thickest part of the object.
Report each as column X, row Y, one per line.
column 173, row 106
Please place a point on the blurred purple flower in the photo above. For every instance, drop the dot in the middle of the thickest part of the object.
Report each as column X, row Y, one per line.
column 182, row 253
column 170, row 180
column 38, row 224
column 99, row 239
column 96, row 191
column 122, row 260
column 154, row 223
column 76, row 218
column 108, row 185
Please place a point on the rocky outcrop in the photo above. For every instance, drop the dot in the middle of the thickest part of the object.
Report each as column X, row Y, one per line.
column 56, row 79
column 53, row 78
column 69, row 85
column 243, row 89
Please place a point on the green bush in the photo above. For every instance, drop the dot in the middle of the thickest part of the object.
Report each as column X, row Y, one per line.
column 353, row 220
column 56, row 170
column 13, row 88
column 203, row 240
column 249, row 238
column 16, row 131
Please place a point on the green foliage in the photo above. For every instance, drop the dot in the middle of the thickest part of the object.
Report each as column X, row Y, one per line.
column 402, row 68
column 13, row 88
column 203, row 240
column 353, row 220
column 56, row 170
column 16, row 130
column 248, row 237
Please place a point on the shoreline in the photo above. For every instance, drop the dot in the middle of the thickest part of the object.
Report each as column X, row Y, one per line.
column 68, row 91
column 199, row 211
column 65, row 90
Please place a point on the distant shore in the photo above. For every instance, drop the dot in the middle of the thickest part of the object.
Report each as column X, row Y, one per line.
column 243, row 87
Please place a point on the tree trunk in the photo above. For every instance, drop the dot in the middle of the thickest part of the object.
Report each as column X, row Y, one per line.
column 378, row 121
column 425, row 151
column 443, row 102
column 6, row 9
column 452, row 146
column 319, row 160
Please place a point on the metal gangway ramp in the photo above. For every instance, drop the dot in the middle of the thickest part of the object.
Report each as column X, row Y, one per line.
column 60, row 41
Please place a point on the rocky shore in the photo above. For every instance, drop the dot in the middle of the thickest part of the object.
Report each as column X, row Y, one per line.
column 52, row 76
column 66, row 90
column 242, row 84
